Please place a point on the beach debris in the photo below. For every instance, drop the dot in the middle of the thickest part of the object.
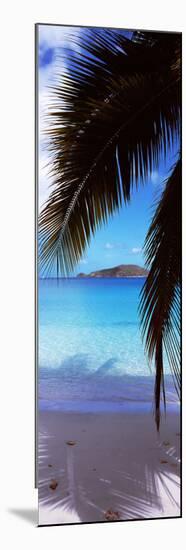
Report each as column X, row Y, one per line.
column 71, row 443
column 53, row 485
column 164, row 461
column 110, row 515
column 166, row 443
column 49, row 465
column 94, row 469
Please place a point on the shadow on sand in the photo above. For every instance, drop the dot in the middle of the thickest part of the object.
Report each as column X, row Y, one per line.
column 134, row 492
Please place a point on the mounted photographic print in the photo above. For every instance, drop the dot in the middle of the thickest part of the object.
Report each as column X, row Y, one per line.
column 108, row 274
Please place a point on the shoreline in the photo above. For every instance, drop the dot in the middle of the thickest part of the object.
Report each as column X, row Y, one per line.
column 129, row 406
column 102, row 466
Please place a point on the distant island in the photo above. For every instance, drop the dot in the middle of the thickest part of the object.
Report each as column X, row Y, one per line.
column 124, row 270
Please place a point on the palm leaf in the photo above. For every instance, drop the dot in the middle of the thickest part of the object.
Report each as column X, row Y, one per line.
column 160, row 307
column 115, row 110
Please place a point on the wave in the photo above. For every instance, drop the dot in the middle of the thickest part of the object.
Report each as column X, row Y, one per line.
column 74, row 384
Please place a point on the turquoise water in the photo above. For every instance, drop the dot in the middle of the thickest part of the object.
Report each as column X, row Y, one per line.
column 91, row 354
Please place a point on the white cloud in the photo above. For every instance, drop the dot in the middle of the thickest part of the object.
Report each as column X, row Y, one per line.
column 56, row 38
column 49, row 37
column 112, row 246
column 44, row 178
column 109, row 246
column 136, row 250
column 57, row 35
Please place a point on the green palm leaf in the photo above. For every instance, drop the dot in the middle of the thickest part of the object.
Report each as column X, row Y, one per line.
column 113, row 113
column 160, row 305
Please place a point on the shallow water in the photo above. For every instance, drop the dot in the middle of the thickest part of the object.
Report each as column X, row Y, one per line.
column 91, row 354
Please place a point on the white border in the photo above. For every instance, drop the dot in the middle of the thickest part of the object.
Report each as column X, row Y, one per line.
column 17, row 270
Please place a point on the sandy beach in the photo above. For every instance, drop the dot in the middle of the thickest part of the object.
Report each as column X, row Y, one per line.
column 107, row 466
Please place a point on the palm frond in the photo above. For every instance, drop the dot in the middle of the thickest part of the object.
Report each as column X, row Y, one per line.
column 115, row 110
column 160, row 305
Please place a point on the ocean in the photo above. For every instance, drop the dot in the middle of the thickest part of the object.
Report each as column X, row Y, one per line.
column 91, row 355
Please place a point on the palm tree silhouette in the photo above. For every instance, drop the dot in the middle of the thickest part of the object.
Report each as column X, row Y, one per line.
column 114, row 112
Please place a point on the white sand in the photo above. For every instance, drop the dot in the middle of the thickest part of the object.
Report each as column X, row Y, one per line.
column 116, row 464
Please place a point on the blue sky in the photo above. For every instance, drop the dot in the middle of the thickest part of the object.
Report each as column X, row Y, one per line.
column 122, row 239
